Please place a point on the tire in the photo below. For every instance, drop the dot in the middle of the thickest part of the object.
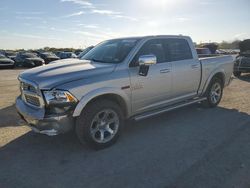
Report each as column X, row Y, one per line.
column 237, row 74
column 214, row 92
column 100, row 124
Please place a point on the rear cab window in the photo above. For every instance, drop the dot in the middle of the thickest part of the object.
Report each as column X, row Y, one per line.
column 177, row 49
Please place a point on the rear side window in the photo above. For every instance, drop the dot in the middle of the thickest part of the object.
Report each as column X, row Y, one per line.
column 177, row 50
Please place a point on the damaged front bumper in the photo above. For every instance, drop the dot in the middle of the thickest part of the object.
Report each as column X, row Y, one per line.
column 45, row 124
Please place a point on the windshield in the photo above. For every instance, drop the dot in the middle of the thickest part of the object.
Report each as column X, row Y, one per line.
column 47, row 54
column 67, row 55
column 29, row 55
column 111, row 51
column 10, row 53
column 85, row 51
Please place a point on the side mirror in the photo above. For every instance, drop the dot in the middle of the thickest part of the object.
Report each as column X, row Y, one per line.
column 144, row 62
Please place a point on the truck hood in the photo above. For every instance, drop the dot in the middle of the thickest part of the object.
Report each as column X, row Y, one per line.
column 6, row 60
column 64, row 71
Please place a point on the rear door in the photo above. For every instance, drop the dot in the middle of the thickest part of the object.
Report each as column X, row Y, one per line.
column 186, row 69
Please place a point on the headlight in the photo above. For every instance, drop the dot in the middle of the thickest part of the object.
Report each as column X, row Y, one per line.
column 58, row 97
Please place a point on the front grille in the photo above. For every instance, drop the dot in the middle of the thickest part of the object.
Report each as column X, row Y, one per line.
column 30, row 94
column 32, row 100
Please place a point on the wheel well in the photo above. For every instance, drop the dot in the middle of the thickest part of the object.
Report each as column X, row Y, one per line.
column 220, row 76
column 115, row 98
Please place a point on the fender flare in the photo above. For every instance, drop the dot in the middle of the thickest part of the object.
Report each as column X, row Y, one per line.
column 99, row 92
column 217, row 71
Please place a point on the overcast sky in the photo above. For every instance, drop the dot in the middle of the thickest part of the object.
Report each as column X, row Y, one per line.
column 79, row 23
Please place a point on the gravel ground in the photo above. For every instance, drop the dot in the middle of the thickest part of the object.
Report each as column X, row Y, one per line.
column 189, row 147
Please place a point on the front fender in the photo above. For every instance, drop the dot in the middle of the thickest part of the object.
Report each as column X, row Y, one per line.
column 99, row 92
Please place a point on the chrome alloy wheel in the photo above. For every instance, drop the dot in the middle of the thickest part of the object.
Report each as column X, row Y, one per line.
column 215, row 93
column 104, row 126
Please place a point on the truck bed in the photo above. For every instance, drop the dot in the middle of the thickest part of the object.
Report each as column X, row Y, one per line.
column 211, row 65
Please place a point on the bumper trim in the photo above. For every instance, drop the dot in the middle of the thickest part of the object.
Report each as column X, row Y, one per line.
column 49, row 125
column 51, row 132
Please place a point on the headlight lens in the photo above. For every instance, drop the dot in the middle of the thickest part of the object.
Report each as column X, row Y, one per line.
column 58, row 97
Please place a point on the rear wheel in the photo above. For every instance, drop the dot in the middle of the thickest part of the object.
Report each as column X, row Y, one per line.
column 100, row 124
column 214, row 92
column 237, row 73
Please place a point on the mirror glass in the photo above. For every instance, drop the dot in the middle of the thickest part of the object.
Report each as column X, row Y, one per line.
column 147, row 60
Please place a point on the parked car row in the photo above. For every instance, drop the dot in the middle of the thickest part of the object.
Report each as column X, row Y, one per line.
column 29, row 59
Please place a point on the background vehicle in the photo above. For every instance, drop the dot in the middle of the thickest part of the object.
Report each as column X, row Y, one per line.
column 66, row 55
column 78, row 51
column 6, row 62
column 211, row 46
column 58, row 53
column 242, row 63
column 48, row 57
column 26, row 59
column 11, row 55
column 203, row 52
column 120, row 79
column 86, row 50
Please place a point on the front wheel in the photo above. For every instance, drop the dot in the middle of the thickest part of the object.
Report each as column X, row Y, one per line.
column 100, row 124
column 214, row 92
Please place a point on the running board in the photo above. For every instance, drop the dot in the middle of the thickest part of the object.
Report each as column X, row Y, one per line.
column 169, row 108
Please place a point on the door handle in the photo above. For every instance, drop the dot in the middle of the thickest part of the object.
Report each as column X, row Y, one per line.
column 194, row 66
column 165, row 71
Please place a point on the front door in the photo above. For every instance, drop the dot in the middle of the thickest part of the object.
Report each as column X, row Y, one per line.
column 153, row 90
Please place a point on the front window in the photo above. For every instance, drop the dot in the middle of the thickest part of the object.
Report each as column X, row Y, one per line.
column 111, row 51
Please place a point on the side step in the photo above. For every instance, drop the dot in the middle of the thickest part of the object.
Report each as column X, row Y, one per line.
column 169, row 108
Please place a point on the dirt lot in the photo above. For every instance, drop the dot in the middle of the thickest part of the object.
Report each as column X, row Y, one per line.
column 189, row 147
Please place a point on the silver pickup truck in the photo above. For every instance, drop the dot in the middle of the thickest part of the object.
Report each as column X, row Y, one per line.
column 127, row 78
